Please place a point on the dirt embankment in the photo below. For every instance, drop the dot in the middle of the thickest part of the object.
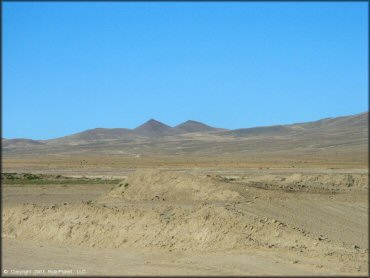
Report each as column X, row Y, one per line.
column 319, row 183
column 154, row 185
column 172, row 211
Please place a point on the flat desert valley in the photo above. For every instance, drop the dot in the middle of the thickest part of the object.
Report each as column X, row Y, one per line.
column 189, row 200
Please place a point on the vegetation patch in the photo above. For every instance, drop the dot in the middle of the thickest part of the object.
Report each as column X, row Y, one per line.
column 43, row 179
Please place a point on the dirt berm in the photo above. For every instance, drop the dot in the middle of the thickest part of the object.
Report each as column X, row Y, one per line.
column 152, row 185
column 161, row 210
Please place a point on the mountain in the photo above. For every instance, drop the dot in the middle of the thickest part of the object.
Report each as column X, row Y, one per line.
column 194, row 126
column 355, row 123
column 96, row 134
column 261, row 131
column 20, row 143
column 154, row 128
column 347, row 135
column 151, row 128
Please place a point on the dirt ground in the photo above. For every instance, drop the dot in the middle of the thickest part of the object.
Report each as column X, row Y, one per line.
column 181, row 220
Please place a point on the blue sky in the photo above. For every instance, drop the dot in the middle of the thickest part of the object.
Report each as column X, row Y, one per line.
column 69, row 67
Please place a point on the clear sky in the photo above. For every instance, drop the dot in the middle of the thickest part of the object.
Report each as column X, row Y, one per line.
column 68, row 67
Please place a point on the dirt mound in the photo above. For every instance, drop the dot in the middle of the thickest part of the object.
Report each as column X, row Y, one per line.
column 203, row 227
column 308, row 182
column 155, row 185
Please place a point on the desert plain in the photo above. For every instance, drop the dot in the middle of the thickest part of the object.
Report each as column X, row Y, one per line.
column 282, row 200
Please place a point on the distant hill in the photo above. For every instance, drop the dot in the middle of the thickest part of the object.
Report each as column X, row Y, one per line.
column 155, row 128
column 151, row 129
column 339, row 124
column 96, row 134
column 260, row 131
column 194, row 126
column 347, row 134
column 20, row 142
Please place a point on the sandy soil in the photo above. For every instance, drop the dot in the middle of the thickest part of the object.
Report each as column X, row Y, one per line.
column 230, row 222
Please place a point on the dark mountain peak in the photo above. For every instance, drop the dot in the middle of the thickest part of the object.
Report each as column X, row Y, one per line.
column 154, row 122
column 194, row 126
column 154, row 127
column 192, row 122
